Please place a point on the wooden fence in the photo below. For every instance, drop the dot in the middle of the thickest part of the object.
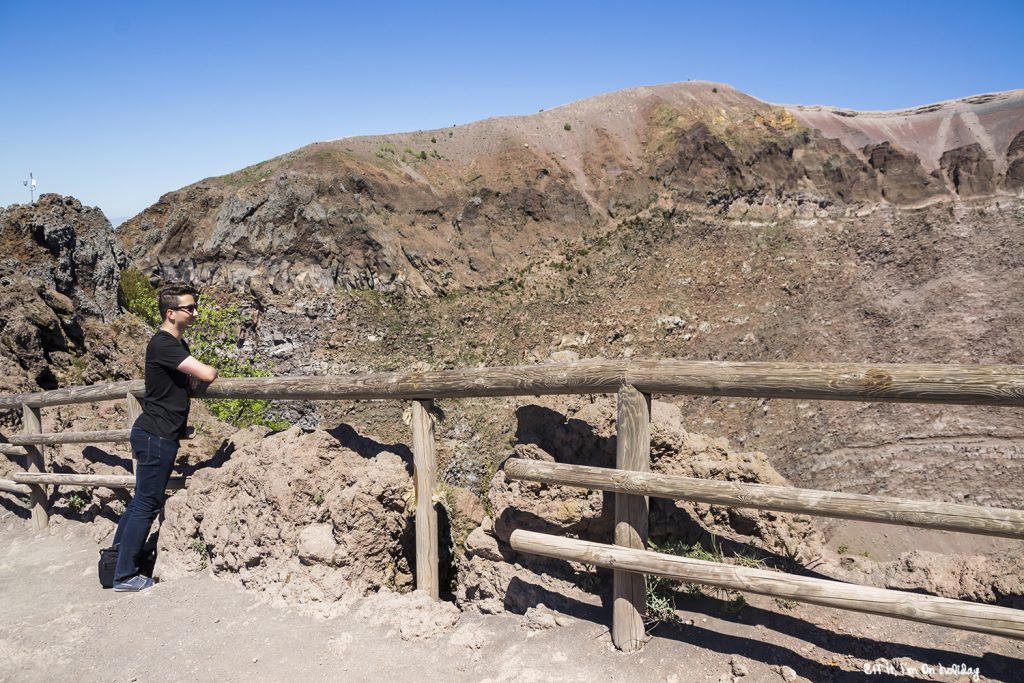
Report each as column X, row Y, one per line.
column 634, row 381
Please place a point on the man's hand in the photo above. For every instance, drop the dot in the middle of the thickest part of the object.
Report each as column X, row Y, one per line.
column 193, row 383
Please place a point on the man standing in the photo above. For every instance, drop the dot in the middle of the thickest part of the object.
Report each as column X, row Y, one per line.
column 171, row 374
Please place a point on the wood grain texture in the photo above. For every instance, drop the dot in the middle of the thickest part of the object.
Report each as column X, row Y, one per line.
column 970, row 616
column 425, row 474
column 88, row 394
column 971, row 519
column 8, row 486
column 8, row 449
column 633, row 452
column 954, row 384
column 134, row 408
column 32, row 423
column 123, row 481
column 52, row 438
column 588, row 377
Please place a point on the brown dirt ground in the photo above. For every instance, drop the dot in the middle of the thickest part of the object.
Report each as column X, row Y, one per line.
column 58, row 624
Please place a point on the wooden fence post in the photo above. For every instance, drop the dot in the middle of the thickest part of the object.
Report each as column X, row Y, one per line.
column 633, row 452
column 33, row 424
column 134, row 410
column 424, row 474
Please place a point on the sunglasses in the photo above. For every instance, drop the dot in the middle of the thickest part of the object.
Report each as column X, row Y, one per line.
column 191, row 308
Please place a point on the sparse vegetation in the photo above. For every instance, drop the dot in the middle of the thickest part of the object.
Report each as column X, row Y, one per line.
column 79, row 500
column 661, row 600
column 77, row 374
column 198, row 546
column 214, row 340
column 567, row 126
column 139, row 296
column 661, row 592
column 255, row 173
column 588, row 578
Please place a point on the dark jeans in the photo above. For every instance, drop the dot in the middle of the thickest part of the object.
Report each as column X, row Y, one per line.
column 154, row 459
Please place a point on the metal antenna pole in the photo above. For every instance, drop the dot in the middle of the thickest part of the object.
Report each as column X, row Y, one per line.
column 31, row 185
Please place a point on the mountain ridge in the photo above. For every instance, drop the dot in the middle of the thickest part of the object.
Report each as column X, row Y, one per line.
column 428, row 211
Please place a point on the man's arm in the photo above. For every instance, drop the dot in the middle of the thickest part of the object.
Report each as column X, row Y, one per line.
column 200, row 371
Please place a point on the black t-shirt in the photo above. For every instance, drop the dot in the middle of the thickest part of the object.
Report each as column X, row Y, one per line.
column 165, row 405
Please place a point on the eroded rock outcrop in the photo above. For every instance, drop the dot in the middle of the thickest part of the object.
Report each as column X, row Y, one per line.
column 902, row 178
column 310, row 517
column 1015, row 163
column 978, row 578
column 67, row 248
column 60, row 265
column 969, row 169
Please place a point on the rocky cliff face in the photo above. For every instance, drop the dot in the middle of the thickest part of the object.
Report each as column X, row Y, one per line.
column 59, row 273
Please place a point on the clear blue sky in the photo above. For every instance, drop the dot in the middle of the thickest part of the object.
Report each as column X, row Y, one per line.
column 118, row 102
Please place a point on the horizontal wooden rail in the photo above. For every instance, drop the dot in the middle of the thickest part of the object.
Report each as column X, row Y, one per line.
column 8, row 449
column 123, row 481
column 971, row 519
column 8, row 486
column 1000, row 621
column 989, row 385
column 467, row 383
column 999, row 385
column 60, row 397
column 51, row 438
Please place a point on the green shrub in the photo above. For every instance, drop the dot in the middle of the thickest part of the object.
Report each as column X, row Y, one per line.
column 79, row 500
column 567, row 126
column 214, row 340
column 139, row 297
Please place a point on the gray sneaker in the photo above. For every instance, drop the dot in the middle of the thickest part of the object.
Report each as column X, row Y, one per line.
column 133, row 585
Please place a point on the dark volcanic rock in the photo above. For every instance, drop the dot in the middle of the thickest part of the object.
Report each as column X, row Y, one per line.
column 969, row 170
column 1015, row 163
column 701, row 163
column 901, row 175
column 59, row 276
column 69, row 248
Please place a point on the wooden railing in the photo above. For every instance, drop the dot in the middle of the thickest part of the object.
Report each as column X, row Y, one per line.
column 634, row 381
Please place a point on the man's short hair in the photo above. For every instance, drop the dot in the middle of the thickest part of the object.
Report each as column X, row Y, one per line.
column 167, row 297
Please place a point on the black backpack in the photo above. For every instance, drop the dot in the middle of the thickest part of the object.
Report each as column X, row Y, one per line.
column 108, row 562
